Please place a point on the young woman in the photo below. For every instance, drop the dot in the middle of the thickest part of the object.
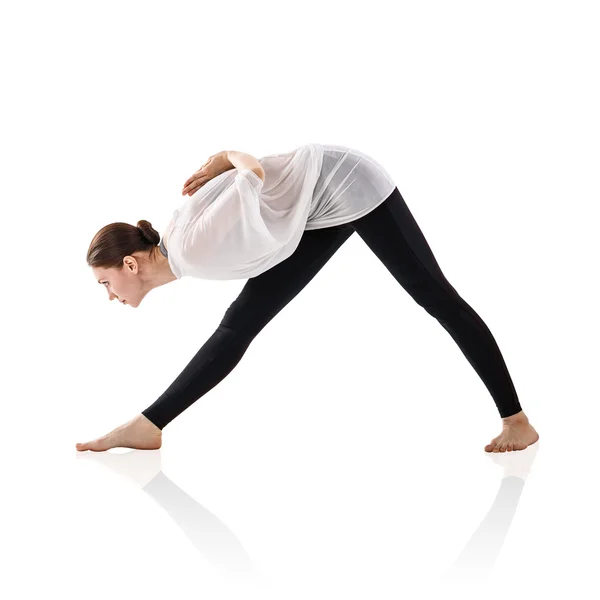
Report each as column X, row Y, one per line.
column 277, row 222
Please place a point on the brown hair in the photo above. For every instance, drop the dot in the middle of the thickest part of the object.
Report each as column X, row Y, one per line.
column 118, row 240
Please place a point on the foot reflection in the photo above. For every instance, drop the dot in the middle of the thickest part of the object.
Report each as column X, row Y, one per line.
column 476, row 561
column 217, row 544
column 220, row 547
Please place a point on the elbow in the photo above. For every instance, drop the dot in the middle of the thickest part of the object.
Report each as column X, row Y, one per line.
column 260, row 172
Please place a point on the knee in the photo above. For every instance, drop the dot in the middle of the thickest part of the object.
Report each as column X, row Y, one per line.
column 440, row 304
column 241, row 324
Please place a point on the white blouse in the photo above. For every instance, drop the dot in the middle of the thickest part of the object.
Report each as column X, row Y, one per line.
column 236, row 226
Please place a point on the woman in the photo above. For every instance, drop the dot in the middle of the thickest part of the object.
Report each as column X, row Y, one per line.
column 277, row 222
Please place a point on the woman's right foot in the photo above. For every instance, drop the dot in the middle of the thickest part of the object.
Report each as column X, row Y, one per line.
column 517, row 434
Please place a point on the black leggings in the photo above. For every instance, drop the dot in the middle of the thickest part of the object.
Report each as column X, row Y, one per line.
column 393, row 235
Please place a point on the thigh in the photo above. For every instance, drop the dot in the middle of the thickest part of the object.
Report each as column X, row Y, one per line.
column 265, row 295
column 392, row 233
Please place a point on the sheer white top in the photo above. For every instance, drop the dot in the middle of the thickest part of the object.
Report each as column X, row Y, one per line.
column 236, row 226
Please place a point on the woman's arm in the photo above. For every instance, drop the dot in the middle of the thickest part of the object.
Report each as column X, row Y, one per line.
column 219, row 163
column 241, row 160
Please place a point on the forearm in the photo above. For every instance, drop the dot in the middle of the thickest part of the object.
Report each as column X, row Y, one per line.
column 241, row 160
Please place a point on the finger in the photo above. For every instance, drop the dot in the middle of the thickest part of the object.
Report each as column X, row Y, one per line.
column 192, row 182
column 192, row 190
column 198, row 173
column 195, row 185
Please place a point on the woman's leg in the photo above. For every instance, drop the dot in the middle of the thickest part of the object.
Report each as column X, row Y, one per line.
column 393, row 235
column 259, row 301
column 263, row 297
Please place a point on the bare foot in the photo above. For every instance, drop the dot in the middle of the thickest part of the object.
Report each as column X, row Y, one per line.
column 517, row 434
column 139, row 433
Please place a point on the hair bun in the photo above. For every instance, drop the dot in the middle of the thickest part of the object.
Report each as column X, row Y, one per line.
column 148, row 232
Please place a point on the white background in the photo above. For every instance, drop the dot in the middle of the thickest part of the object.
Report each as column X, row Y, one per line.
column 343, row 456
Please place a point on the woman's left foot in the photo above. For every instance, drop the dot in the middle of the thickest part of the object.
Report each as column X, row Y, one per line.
column 517, row 434
column 139, row 433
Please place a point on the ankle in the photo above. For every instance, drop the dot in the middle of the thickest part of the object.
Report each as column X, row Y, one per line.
column 520, row 417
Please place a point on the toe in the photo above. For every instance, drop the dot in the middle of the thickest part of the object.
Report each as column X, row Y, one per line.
column 93, row 445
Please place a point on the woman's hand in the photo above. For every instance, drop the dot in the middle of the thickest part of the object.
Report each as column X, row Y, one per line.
column 215, row 165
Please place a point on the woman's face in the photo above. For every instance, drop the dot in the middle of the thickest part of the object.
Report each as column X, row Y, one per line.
column 123, row 284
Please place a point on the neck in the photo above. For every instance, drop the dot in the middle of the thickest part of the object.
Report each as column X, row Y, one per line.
column 161, row 271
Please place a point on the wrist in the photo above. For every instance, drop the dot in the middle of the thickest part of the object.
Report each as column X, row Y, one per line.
column 227, row 164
